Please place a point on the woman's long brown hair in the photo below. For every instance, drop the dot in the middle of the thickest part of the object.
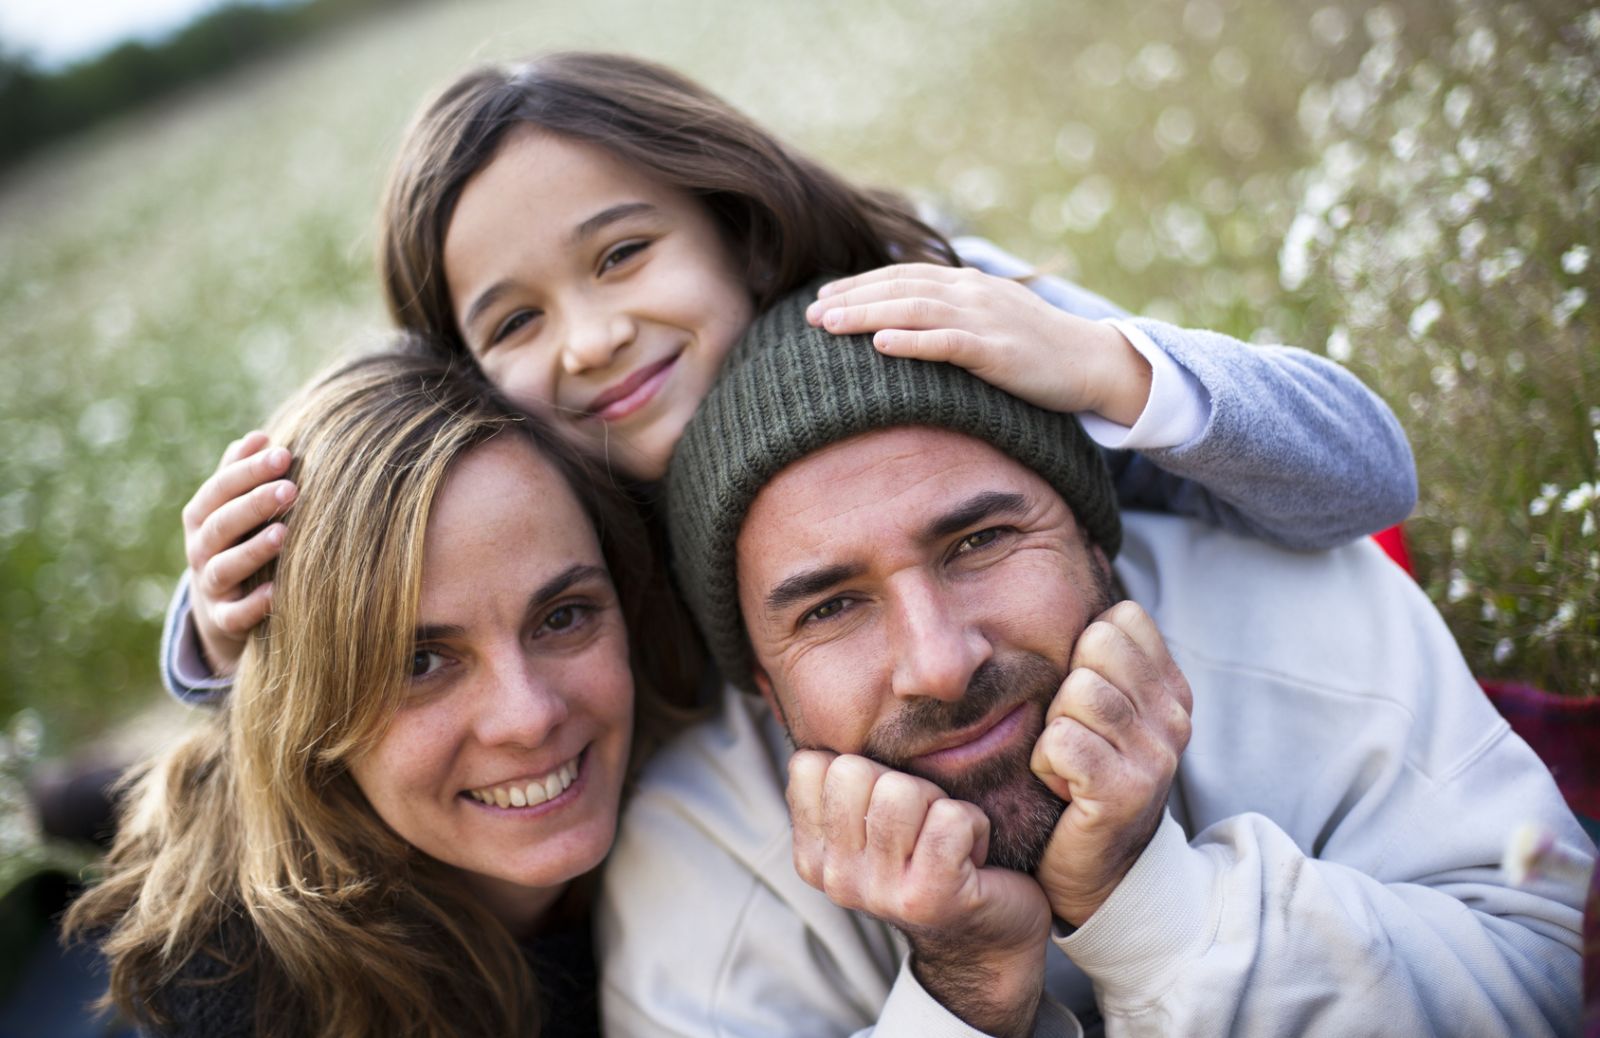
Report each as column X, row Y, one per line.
column 250, row 843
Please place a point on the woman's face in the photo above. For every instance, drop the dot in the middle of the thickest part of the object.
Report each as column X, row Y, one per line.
column 507, row 759
column 593, row 295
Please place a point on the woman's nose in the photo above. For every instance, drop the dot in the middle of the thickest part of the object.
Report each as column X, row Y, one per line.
column 515, row 703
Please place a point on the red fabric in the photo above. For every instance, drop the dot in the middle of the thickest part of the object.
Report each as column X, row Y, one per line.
column 1591, row 960
column 1393, row 543
column 1563, row 730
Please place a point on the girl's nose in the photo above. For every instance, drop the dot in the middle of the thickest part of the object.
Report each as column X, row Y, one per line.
column 593, row 339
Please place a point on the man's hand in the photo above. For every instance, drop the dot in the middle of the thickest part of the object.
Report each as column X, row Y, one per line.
column 1110, row 747
column 894, row 846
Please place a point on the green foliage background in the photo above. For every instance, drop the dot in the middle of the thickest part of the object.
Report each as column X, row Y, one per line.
column 1413, row 188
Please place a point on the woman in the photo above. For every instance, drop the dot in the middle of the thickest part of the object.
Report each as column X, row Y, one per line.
column 386, row 827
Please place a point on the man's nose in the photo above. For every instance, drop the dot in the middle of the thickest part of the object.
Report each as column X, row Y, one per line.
column 936, row 648
column 594, row 334
column 514, row 703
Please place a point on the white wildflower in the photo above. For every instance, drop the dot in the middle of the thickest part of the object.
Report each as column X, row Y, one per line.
column 1580, row 496
column 1338, row 348
column 1456, row 105
column 1424, row 317
column 1502, row 650
column 1547, row 497
column 1576, row 259
column 1587, row 529
column 1460, row 587
column 1571, row 302
column 1557, row 623
column 1460, row 540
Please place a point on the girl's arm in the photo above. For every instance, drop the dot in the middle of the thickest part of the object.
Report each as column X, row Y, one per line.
column 1264, row 440
column 229, row 533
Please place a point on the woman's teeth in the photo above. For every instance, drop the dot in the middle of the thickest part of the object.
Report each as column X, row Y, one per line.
column 536, row 792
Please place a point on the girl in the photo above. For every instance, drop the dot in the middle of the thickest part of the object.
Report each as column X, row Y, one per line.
column 386, row 828
column 594, row 232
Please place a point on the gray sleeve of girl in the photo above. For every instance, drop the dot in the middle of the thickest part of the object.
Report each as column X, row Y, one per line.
column 1296, row 450
column 184, row 670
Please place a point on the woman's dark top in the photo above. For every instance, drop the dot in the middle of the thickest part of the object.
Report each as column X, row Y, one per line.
column 210, row 999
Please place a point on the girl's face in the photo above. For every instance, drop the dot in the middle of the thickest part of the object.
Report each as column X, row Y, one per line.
column 507, row 759
column 593, row 295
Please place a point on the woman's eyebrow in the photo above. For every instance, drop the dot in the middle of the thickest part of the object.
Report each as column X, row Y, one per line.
column 605, row 217
column 576, row 573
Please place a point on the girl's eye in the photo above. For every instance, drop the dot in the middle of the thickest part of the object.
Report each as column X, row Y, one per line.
column 425, row 662
column 512, row 324
column 826, row 611
column 622, row 252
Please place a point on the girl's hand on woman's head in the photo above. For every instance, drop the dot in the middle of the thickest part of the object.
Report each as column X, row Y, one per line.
column 243, row 494
column 995, row 328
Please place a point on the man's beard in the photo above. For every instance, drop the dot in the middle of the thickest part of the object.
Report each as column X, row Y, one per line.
column 1022, row 810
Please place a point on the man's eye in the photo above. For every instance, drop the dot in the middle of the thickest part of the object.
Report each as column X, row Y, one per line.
column 826, row 611
column 622, row 252
column 512, row 324
column 974, row 541
column 425, row 662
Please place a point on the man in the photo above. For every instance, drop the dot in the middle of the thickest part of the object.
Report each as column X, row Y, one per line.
column 1220, row 789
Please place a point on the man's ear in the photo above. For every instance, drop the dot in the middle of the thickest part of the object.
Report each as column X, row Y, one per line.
column 764, row 684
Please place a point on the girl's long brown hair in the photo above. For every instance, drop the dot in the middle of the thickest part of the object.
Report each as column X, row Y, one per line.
column 786, row 219
column 250, row 843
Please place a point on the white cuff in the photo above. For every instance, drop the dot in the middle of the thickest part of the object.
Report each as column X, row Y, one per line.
column 1162, row 915
column 1178, row 410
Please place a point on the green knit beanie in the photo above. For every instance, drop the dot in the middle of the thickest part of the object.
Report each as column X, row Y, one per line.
column 787, row 390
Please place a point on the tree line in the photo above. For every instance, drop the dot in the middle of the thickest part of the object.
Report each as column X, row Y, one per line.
column 38, row 106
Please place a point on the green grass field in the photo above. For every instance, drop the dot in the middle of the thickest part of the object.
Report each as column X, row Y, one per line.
column 1413, row 189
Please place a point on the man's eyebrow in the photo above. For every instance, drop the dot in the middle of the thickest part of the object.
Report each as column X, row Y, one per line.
column 990, row 504
column 576, row 573
column 810, row 582
column 605, row 217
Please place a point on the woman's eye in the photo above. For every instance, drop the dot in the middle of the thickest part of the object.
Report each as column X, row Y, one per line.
column 425, row 662
column 512, row 324
column 622, row 252
column 565, row 618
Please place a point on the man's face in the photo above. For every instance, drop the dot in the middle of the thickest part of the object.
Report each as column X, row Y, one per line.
column 913, row 595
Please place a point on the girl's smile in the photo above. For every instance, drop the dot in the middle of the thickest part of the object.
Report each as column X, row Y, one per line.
column 593, row 295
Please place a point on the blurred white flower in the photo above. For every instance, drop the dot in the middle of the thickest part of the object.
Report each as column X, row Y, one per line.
column 1576, row 259
column 1460, row 540
column 1338, row 346
column 1571, row 302
column 1460, row 587
column 1457, row 103
column 1581, row 496
column 1424, row 317
column 1502, row 650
